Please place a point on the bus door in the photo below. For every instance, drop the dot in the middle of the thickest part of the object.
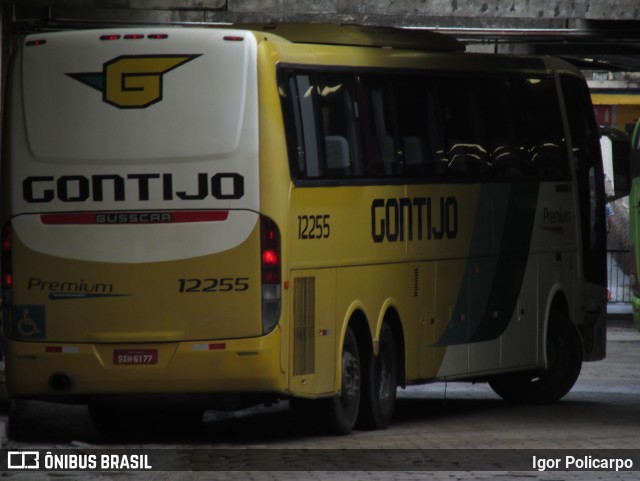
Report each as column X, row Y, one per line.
column 591, row 201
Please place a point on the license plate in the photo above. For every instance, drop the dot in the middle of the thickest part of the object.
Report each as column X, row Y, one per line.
column 135, row 356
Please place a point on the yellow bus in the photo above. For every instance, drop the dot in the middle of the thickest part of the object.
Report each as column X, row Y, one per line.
column 200, row 218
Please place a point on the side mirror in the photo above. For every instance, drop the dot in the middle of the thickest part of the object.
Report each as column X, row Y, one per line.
column 616, row 160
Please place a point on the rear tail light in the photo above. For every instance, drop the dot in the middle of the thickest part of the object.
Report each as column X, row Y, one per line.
column 270, row 258
column 36, row 42
column 5, row 258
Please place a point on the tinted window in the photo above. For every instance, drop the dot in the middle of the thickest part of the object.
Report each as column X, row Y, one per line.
column 378, row 125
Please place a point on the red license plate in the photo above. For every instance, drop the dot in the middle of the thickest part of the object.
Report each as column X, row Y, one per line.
column 135, row 356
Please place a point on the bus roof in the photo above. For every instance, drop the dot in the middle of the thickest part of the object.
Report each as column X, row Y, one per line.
column 360, row 36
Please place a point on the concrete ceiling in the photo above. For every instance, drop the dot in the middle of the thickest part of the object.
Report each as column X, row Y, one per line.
column 593, row 34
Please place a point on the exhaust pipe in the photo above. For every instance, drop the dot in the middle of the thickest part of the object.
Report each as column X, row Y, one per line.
column 60, row 382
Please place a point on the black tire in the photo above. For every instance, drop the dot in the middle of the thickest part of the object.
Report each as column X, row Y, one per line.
column 127, row 423
column 564, row 356
column 18, row 424
column 379, row 384
column 339, row 413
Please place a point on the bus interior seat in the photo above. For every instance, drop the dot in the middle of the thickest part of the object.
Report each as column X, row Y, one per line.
column 337, row 150
column 468, row 160
column 547, row 159
column 414, row 160
column 509, row 161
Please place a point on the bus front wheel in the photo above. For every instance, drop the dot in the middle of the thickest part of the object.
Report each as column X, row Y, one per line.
column 564, row 362
column 339, row 413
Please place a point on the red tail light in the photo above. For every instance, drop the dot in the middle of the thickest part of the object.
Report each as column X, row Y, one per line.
column 270, row 259
column 270, row 247
column 5, row 260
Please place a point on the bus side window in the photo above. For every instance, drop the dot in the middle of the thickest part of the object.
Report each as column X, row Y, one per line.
column 380, row 128
column 463, row 131
column 416, row 121
column 505, row 129
column 544, row 124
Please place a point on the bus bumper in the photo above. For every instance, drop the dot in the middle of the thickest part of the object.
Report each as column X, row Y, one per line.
column 46, row 370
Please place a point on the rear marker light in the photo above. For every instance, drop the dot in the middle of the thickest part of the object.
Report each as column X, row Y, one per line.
column 110, row 37
column 231, row 38
column 157, row 36
column 214, row 346
column 35, row 43
column 133, row 36
column 62, row 349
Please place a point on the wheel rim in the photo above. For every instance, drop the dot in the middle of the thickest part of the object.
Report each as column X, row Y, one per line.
column 384, row 375
column 350, row 379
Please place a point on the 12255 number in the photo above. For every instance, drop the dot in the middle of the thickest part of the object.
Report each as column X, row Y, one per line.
column 314, row 226
column 212, row 284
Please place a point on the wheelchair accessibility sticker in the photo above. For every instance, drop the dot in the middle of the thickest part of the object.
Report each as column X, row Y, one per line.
column 28, row 322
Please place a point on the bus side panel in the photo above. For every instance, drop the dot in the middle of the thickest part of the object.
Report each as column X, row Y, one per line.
column 315, row 332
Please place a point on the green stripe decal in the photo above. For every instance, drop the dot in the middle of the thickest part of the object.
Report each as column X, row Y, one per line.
column 497, row 263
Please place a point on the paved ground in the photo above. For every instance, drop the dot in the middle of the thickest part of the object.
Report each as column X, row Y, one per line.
column 444, row 432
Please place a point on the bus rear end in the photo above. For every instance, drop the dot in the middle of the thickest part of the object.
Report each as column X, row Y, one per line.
column 134, row 256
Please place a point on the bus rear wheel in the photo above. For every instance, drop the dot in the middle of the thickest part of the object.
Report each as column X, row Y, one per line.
column 339, row 413
column 379, row 384
column 564, row 362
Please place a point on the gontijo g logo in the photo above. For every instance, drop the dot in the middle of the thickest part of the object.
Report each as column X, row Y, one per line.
column 133, row 81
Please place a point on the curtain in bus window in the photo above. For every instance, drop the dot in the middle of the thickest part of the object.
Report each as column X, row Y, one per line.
column 296, row 148
column 304, row 89
column 380, row 129
column 296, row 92
column 339, row 128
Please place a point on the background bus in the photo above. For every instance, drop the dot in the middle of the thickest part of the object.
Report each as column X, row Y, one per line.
column 207, row 218
column 634, row 201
